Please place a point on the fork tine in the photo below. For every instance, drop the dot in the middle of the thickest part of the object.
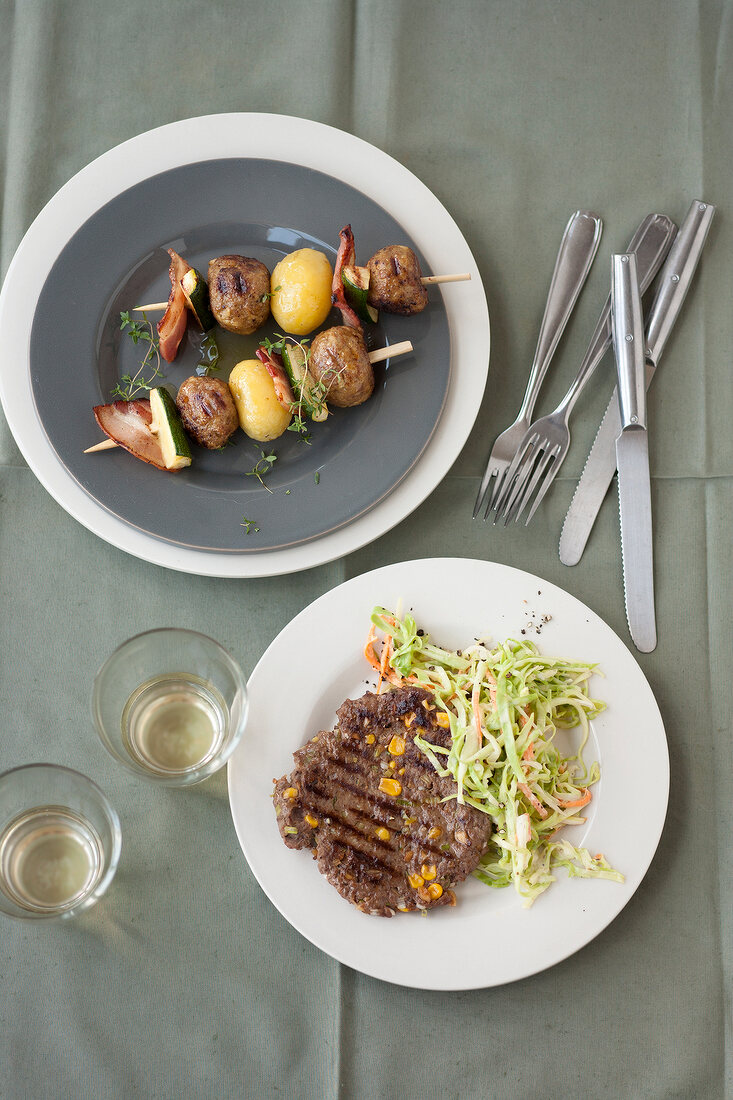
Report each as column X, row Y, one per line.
column 509, row 483
column 549, row 478
column 490, row 471
column 515, row 490
column 497, row 490
column 543, row 461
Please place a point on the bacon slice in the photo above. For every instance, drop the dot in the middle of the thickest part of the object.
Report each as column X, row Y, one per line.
column 172, row 326
column 345, row 257
column 275, row 369
column 128, row 423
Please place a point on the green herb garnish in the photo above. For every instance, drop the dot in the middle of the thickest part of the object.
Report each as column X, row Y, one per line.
column 249, row 525
column 263, row 466
column 139, row 331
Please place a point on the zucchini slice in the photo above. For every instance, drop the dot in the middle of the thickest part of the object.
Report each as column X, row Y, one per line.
column 295, row 362
column 166, row 424
column 356, row 289
column 196, row 291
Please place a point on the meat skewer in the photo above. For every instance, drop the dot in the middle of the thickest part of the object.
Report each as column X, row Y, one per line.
column 390, row 351
column 426, row 280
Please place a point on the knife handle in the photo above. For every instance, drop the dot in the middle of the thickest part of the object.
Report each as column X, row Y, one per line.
column 628, row 340
column 676, row 276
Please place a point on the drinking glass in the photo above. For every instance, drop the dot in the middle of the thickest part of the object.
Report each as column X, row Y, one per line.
column 171, row 705
column 60, row 842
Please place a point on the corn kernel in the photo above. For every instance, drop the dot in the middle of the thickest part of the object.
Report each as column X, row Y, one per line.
column 435, row 833
column 404, row 908
column 428, row 872
column 291, row 792
column 370, row 739
column 383, row 833
column 391, row 764
column 312, row 821
column 396, row 746
column 443, row 720
column 400, row 771
column 435, row 890
column 408, row 720
column 416, row 881
column 390, row 786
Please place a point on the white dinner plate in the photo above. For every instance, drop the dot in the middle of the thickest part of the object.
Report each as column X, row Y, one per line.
column 309, row 145
column 488, row 938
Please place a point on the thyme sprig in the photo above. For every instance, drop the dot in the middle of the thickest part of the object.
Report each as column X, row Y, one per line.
column 139, row 332
column 263, row 466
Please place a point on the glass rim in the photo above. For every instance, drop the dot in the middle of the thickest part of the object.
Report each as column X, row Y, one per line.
column 100, row 889
column 194, row 775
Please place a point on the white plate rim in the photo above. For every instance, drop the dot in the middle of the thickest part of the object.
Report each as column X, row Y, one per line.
column 571, row 913
column 263, row 136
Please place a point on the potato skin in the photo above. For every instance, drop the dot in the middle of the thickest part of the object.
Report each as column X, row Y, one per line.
column 239, row 293
column 394, row 281
column 301, row 291
column 261, row 416
column 340, row 360
column 207, row 411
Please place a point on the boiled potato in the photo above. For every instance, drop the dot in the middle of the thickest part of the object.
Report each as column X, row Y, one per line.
column 261, row 416
column 301, row 291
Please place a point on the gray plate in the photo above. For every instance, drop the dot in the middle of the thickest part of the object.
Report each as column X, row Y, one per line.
column 117, row 260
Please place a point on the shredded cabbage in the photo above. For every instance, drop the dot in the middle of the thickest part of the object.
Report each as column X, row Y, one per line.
column 504, row 706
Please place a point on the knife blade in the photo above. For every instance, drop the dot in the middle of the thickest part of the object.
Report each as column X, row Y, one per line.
column 632, row 453
column 600, row 465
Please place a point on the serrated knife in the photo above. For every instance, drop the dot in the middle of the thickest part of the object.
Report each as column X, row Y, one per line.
column 632, row 452
column 600, row 465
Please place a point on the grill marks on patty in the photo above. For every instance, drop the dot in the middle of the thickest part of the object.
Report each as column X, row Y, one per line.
column 381, row 851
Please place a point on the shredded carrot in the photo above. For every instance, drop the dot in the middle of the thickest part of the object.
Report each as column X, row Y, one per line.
column 576, row 802
column 492, row 689
column 386, row 647
column 369, row 649
column 533, row 799
column 381, row 664
column 528, row 753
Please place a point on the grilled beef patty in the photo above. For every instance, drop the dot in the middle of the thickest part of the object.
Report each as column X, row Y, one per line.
column 368, row 802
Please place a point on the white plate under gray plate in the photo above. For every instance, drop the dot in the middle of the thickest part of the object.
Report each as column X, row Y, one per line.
column 487, row 938
column 268, row 138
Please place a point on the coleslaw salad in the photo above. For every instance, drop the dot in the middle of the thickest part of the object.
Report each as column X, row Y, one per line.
column 504, row 706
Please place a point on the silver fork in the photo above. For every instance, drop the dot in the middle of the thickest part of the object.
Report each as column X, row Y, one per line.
column 577, row 251
column 545, row 443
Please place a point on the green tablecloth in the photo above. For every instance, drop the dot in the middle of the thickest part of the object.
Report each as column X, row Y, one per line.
column 185, row 981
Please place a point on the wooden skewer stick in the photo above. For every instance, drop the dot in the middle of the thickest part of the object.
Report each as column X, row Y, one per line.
column 105, row 445
column 427, row 280
column 389, row 352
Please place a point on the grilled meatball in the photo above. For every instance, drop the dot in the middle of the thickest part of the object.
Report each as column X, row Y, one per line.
column 239, row 292
column 339, row 359
column 207, row 410
column 394, row 281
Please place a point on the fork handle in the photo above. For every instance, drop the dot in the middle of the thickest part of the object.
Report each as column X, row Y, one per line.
column 577, row 250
